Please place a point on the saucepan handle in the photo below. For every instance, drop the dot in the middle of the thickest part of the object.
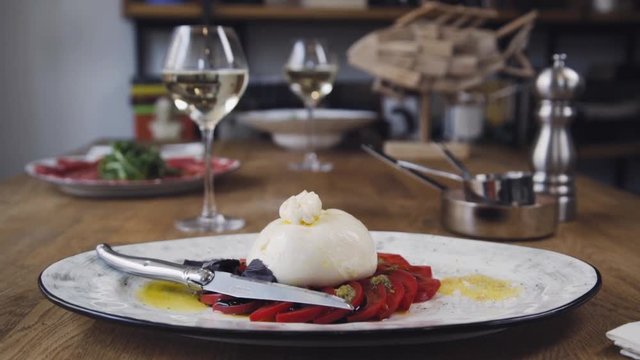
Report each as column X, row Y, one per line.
column 395, row 163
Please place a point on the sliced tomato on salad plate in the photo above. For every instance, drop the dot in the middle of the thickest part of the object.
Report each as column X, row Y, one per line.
column 388, row 261
column 334, row 315
column 394, row 287
column 376, row 301
column 427, row 289
column 410, row 285
column 395, row 295
column 421, row 270
column 237, row 309
column 302, row 315
column 269, row 312
column 213, row 298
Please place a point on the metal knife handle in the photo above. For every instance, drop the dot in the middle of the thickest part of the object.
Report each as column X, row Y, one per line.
column 191, row 276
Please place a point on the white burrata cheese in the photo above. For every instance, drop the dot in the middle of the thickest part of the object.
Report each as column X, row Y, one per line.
column 303, row 208
column 334, row 248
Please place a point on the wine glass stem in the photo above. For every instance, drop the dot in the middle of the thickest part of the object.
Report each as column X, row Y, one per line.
column 310, row 131
column 209, row 209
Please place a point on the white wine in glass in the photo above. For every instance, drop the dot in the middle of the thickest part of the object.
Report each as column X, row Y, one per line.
column 311, row 85
column 208, row 96
column 310, row 71
column 206, row 74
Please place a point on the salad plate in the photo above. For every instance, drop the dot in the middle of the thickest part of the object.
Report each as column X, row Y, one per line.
column 548, row 283
column 83, row 179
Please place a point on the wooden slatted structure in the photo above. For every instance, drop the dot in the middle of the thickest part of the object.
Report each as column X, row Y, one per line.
column 442, row 48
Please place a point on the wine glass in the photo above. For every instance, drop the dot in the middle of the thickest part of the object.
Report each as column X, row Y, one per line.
column 206, row 73
column 310, row 71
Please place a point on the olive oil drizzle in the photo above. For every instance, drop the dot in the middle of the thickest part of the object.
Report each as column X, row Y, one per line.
column 169, row 296
column 479, row 287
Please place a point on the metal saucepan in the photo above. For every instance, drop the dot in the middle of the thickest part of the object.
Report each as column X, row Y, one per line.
column 499, row 222
column 484, row 219
column 509, row 188
column 513, row 187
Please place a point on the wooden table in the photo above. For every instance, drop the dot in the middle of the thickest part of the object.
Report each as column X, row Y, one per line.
column 39, row 226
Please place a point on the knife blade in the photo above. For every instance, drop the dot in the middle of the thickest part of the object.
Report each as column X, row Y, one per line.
column 218, row 281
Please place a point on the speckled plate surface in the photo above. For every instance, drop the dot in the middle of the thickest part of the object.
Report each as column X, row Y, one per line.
column 550, row 283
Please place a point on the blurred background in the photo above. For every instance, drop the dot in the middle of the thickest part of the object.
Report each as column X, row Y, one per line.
column 77, row 71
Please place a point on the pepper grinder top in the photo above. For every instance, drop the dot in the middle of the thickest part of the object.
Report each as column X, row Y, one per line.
column 558, row 82
column 554, row 154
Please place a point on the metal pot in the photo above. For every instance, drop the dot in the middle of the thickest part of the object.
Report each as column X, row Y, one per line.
column 484, row 219
column 509, row 188
column 491, row 221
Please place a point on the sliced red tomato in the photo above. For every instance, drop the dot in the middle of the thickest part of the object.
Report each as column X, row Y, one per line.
column 212, row 298
column 334, row 315
column 391, row 261
column 395, row 286
column 303, row 315
column 237, row 309
column 376, row 296
column 269, row 312
column 358, row 298
column 394, row 297
column 427, row 288
column 421, row 270
column 410, row 288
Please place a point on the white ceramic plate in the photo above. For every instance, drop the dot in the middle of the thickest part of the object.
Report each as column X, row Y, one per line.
column 116, row 188
column 288, row 126
column 550, row 283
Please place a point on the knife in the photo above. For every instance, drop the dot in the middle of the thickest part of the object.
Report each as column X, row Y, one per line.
column 216, row 281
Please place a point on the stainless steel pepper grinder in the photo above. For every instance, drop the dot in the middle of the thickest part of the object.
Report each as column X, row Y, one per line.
column 554, row 154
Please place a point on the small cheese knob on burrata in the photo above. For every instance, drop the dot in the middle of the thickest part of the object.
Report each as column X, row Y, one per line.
column 308, row 246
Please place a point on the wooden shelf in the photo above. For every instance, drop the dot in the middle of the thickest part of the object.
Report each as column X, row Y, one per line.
column 629, row 18
column 141, row 11
column 144, row 11
column 607, row 151
column 192, row 11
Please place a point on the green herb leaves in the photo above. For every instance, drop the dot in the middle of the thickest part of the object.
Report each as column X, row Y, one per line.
column 132, row 161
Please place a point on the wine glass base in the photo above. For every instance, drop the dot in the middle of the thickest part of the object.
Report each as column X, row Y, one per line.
column 311, row 163
column 218, row 223
column 311, row 167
